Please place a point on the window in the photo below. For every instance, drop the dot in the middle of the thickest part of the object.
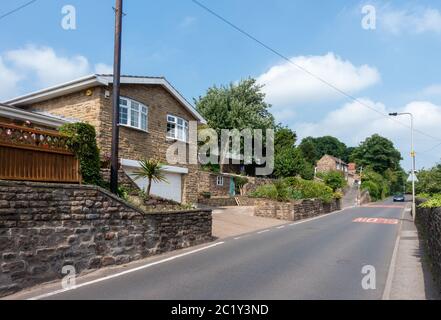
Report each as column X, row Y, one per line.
column 133, row 114
column 220, row 181
column 177, row 128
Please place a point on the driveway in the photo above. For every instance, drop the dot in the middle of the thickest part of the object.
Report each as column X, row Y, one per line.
column 234, row 221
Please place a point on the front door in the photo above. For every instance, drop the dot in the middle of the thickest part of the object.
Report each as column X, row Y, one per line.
column 232, row 187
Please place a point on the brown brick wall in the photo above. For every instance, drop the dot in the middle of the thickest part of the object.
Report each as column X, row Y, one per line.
column 134, row 144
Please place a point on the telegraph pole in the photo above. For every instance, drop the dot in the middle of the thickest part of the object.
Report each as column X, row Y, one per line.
column 359, row 186
column 116, row 95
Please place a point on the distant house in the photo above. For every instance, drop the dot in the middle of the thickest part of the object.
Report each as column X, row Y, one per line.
column 153, row 116
column 329, row 163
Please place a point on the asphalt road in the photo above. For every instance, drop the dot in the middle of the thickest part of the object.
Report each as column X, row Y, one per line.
column 318, row 259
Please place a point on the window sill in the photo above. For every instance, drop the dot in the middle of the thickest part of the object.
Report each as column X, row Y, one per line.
column 176, row 140
column 133, row 128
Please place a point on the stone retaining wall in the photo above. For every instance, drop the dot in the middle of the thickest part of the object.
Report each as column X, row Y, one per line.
column 44, row 227
column 429, row 227
column 294, row 211
column 218, row 202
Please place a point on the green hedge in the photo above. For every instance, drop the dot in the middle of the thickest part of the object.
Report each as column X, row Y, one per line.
column 295, row 189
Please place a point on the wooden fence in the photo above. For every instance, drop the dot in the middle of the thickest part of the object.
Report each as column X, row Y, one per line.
column 28, row 154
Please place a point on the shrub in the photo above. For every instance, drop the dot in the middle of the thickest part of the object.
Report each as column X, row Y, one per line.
column 335, row 180
column 311, row 189
column 338, row 195
column 268, row 191
column 374, row 190
column 240, row 183
column 82, row 142
column 433, row 202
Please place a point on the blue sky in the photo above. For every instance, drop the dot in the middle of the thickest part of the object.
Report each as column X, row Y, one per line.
column 392, row 68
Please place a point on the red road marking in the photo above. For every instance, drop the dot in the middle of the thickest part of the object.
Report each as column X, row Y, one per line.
column 377, row 221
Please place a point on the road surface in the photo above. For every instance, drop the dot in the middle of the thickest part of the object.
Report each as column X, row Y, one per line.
column 318, row 259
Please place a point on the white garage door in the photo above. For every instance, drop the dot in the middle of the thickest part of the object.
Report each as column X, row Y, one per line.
column 171, row 190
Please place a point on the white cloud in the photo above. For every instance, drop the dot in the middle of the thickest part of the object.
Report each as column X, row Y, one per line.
column 414, row 20
column 287, row 86
column 40, row 67
column 49, row 68
column 8, row 80
column 433, row 90
column 102, row 68
column 353, row 122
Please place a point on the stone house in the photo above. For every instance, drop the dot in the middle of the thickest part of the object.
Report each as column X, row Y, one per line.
column 153, row 117
column 329, row 163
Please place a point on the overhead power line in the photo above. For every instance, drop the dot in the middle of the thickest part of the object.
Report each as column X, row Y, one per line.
column 327, row 83
column 17, row 9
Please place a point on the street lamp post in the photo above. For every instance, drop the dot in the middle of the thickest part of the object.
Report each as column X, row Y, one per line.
column 413, row 154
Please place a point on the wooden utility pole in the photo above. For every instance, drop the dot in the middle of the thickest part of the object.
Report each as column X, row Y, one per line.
column 116, row 95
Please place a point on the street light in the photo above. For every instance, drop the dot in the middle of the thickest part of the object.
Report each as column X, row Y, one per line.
column 413, row 155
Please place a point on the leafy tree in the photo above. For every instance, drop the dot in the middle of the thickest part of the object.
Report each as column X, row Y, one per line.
column 309, row 151
column 152, row 171
column 335, row 180
column 284, row 138
column 236, row 106
column 348, row 154
column 378, row 186
column 378, row 153
column 429, row 181
column 324, row 145
column 290, row 162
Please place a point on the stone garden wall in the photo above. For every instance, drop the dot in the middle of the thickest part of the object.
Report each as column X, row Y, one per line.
column 429, row 227
column 294, row 211
column 44, row 227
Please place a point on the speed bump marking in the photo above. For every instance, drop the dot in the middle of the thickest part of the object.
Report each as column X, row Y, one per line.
column 377, row 221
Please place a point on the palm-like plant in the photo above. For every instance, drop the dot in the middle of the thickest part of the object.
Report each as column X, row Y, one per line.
column 152, row 171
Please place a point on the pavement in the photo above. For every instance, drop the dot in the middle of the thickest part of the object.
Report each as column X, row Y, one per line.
column 329, row 257
column 410, row 276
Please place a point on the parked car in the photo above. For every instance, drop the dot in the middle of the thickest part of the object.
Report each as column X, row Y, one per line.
column 399, row 198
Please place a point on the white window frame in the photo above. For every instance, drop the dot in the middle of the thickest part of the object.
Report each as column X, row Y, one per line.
column 179, row 124
column 220, row 181
column 131, row 109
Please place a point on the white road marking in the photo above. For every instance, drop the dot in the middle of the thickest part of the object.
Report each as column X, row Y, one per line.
column 264, row 231
column 281, row 227
column 50, row 294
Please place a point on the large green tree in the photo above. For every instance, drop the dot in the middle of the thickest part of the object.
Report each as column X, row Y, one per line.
column 236, row 106
column 378, row 153
column 289, row 162
column 284, row 138
column 322, row 146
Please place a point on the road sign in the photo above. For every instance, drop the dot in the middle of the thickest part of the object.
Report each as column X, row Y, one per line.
column 410, row 178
